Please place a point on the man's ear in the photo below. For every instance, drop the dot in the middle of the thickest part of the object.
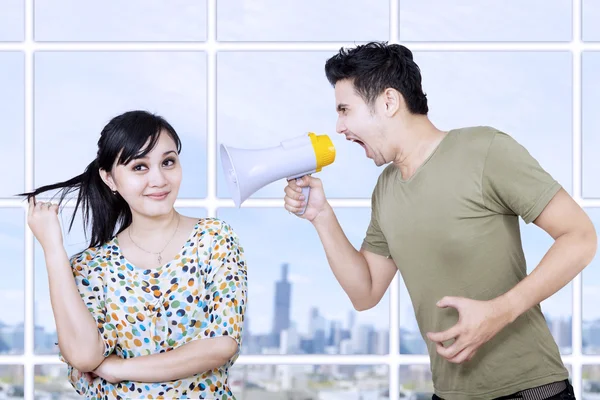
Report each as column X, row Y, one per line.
column 393, row 101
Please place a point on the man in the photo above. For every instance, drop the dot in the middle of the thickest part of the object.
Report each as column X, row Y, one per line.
column 445, row 212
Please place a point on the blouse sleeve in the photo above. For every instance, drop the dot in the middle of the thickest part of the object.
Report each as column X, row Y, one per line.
column 88, row 272
column 225, row 292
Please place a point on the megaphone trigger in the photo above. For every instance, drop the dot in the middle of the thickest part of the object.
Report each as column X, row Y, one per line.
column 305, row 193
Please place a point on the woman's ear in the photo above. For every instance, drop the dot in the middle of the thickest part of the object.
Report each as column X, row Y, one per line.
column 108, row 180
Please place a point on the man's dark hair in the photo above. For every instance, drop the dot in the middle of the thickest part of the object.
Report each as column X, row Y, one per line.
column 376, row 66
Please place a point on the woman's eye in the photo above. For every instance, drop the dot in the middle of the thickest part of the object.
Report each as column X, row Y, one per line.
column 139, row 167
column 169, row 162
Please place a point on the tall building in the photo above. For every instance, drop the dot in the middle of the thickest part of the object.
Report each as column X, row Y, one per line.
column 351, row 319
column 335, row 334
column 361, row 339
column 317, row 331
column 283, row 294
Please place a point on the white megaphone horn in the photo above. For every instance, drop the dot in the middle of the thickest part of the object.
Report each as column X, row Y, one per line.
column 247, row 170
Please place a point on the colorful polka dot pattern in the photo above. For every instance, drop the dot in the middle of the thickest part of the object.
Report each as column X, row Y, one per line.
column 200, row 294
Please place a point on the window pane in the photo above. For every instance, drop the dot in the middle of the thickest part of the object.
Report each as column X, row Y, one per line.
column 74, row 242
column 295, row 304
column 77, row 93
column 591, row 15
column 591, row 382
column 590, row 123
column 415, row 382
column 51, row 383
column 12, row 115
column 591, row 297
column 114, row 20
column 558, row 308
column 12, row 290
column 411, row 341
column 308, row 20
column 250, row 114
column 11, row 382
column 492, row 20
column 525, row 94
column 12, row 21
column 279, row 382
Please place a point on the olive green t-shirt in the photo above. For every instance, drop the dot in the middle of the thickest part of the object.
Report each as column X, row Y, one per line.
column 452, row 229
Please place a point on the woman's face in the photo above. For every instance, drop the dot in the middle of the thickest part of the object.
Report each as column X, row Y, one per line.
column 150, row 184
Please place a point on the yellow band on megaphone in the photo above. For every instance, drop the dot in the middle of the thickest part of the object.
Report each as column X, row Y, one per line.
column 324, row 150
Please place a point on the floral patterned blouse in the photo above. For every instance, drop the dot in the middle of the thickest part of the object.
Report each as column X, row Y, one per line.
column 200, row 294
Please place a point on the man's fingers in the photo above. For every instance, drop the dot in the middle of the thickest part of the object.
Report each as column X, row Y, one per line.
column 292, row 209
column 448, row 334
column 450, row 301
column 451, row 351
column 293, row 202
column 308, row 180
column 294, row 194
column 293, row 184
column 462, row 356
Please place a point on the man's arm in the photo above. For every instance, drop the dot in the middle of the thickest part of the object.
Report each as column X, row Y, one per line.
column 363, row 275
column 195, row 357
column 574, row 248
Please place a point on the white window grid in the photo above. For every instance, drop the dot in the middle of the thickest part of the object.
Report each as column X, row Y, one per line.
column 212, row 203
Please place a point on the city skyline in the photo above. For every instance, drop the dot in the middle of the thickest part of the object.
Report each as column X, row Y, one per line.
column 321, row 335
column 261, row 277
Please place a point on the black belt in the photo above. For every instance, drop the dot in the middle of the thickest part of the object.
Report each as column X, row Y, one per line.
column 538, row 393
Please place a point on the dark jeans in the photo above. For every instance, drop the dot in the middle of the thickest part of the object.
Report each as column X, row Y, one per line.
column 566, row 394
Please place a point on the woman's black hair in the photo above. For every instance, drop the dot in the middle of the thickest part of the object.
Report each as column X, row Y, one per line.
column 127, row 136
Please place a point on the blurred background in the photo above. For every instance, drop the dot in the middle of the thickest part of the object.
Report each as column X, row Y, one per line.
column 250, row 73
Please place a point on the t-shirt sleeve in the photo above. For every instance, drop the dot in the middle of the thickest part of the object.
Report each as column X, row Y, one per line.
column 89, row 278
column 513, row 182
column 374, row 240
column 225, row 292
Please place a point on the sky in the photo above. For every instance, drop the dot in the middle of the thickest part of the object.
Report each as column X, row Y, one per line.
column 590, row 123
column 591, row 14
column 12, row 21
column 173, row 20
column 264, row 98
column 502, row 20
column 307, row 20
column 12, row 115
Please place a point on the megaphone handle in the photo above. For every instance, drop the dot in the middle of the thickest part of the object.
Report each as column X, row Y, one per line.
column 305, row 192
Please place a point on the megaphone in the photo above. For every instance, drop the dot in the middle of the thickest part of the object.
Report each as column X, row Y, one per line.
column 247, row 170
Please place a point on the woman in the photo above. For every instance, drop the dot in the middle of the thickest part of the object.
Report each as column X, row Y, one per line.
column 163, row 299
